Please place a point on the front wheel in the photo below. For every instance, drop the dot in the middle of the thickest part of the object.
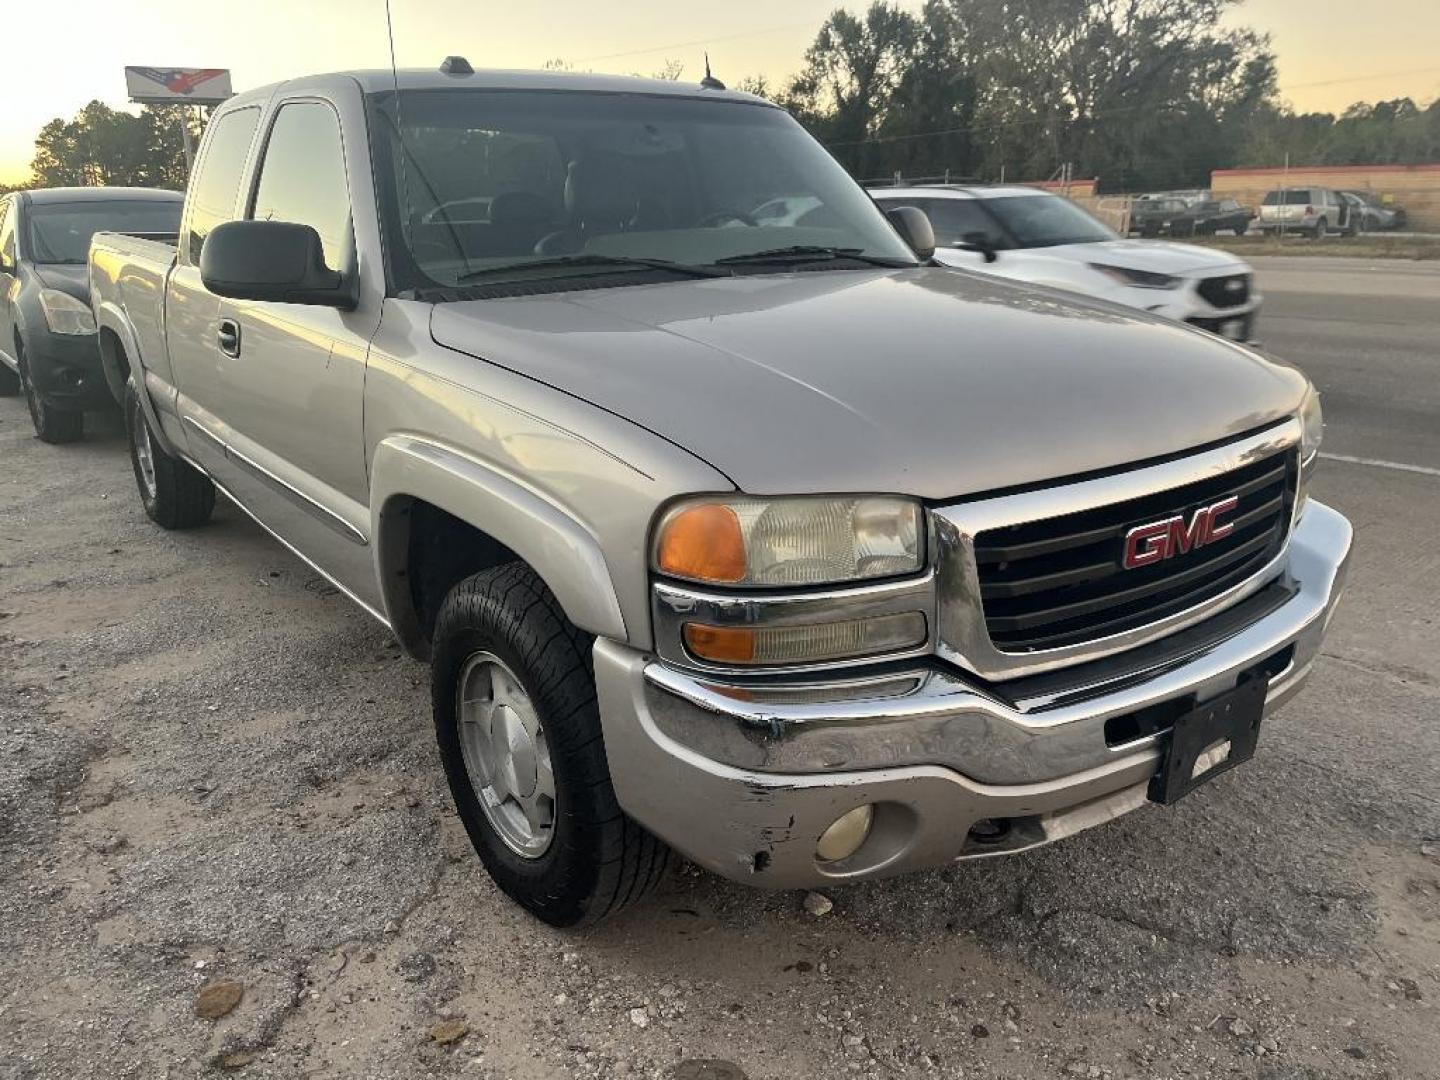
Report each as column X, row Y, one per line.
column 52, row 425
column 518, row 727
column 175, row 494
column 1322, row 229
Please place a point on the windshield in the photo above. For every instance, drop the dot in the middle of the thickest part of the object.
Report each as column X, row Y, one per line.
column 61, row 232
column 490, row 180
column 1160, row 206
column 1042, row 220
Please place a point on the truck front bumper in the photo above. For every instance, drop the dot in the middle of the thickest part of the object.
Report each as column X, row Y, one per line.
column 744, row 778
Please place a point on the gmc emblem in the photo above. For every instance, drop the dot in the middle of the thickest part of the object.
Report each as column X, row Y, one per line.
column 1161, row 540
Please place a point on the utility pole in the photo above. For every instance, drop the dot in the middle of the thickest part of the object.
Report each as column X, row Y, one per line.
column 1284, row 194
column 187, row 139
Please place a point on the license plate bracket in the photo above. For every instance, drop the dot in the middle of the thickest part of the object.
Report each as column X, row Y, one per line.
column 1211, row 739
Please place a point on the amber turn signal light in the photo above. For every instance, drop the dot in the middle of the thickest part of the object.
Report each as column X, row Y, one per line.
column 721, row 644
column 703, row 542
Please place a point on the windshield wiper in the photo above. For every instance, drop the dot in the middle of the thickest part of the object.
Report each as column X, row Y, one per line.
column 591, row 260
column 804, row 253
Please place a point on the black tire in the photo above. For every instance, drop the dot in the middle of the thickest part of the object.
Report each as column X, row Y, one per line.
column 175, row 494
column 597, row 860
column 1322, row 229
column 9, row 382
column 52, row 425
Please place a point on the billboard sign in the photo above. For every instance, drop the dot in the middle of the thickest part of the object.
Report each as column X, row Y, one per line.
column 170, row 86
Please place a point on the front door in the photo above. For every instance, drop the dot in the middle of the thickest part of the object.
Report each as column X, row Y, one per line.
column 290, row 378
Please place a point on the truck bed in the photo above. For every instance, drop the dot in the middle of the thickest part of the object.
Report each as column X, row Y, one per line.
column 128, row 274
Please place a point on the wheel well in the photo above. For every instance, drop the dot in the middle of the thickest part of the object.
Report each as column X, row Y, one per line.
column 114, row 362
column 441, row 550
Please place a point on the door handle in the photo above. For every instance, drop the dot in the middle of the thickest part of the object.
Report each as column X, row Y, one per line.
column 227, row 336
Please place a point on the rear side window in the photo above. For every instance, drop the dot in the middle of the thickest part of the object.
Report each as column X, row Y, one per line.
column 217, row 184
column 302, row 179
column 7, row 230
column 1289, row 197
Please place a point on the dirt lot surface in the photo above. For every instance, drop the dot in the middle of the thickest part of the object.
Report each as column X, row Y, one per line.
column 226, row 849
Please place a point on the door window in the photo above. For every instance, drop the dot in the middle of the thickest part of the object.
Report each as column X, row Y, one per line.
column 954, row 219
column 7, row 232
column 217, row 183
column 302, row 179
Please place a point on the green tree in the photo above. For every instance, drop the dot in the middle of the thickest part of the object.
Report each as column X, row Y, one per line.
column 105, row 146
column 927, row 128
column 852, row 72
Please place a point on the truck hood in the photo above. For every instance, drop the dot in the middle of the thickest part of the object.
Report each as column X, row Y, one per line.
column 1157, row 256
column 928, row 382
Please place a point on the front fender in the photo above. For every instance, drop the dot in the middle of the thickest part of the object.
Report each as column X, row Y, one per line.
column 558, row 547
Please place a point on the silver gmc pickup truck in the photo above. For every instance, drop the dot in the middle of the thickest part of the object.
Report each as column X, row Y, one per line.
column 748, row 534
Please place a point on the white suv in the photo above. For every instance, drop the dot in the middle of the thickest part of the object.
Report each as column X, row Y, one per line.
column 1315, row 211
column 1033, row 235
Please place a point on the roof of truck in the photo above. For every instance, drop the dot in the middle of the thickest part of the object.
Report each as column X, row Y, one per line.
column 100, row 194
column 381, row 80
column 957, row 191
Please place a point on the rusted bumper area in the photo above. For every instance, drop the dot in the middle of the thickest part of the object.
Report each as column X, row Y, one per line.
column 745, row 779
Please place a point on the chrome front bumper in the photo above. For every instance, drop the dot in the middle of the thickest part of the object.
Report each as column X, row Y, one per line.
column 743, row 778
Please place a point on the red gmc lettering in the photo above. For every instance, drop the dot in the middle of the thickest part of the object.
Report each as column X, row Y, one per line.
column 1159, row 540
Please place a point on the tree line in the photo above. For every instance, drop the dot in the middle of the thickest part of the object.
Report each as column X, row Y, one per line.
column 1142, row 94
column 101, row 146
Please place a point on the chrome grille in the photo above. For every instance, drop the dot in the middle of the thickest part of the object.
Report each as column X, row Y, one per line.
column 1060, row 581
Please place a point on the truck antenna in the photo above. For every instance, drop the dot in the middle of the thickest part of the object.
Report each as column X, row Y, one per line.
column 399, row 131
column 709, row 82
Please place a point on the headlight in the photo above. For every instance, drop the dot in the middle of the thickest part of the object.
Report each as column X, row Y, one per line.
column 1139, row 279
column 747, row 541
column 64, row 314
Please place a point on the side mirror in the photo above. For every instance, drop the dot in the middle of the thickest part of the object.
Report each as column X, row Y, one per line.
column 981, row 242
column 915, row 229
column 273, row 260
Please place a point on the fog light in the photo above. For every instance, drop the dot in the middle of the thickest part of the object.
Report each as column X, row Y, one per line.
column 844, row 837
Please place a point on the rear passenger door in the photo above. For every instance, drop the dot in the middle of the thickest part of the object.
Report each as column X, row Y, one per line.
column 186, row 383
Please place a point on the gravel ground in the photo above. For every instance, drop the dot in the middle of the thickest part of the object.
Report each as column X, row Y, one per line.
column 217, row 775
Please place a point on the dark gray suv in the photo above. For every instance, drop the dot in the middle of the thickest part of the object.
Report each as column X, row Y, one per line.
column 48, row 345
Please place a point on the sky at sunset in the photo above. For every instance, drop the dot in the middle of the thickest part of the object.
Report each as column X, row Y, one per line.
column 60, row 56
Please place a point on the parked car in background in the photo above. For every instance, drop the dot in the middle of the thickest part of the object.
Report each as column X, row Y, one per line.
column 1371, row 214
column 1032, row 235
column 1213, row 216
column 1314, row 211
column 48, row 345
column 1152, row 217
column 774, row 544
